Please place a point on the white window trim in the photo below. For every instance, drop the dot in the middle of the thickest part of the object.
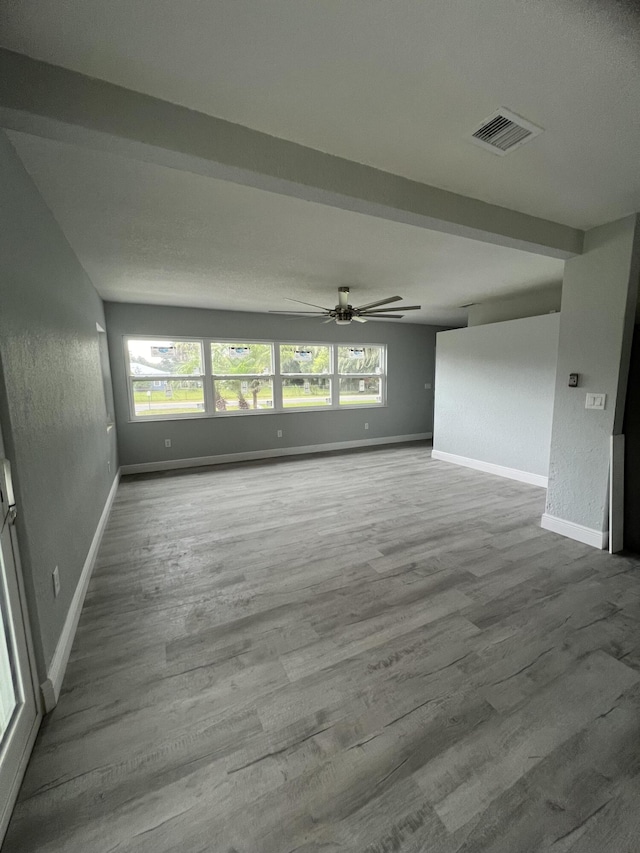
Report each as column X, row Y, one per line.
column 208, row 378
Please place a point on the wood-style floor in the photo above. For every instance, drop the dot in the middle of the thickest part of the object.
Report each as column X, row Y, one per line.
column 364, row 653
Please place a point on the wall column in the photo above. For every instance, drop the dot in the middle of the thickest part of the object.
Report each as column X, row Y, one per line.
column 599, row 297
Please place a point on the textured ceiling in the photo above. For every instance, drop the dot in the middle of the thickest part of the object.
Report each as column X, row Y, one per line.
column 396, row 85
column 150, row 234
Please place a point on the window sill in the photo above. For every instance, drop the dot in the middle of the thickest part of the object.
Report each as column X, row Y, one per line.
column 253, row 413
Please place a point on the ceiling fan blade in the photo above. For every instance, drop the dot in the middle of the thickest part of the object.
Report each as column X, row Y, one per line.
column 298, row 312
column 399, row 308
column 343, row 297
column 330, row 320
column 384, row 316
column 359, row 319
column 380, row 302
column 300, row 302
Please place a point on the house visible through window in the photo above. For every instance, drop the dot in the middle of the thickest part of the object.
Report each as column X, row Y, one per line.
column 187, row 378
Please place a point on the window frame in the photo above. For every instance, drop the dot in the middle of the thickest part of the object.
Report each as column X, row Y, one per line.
column 208, row 378
column 207, row 342
column 330, row 375
column 382, row 376
column 180, row 377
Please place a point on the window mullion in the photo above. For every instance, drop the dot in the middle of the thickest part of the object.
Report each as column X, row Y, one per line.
column 207, row 379
column 278, row 405
column 132, row 400
column 335, row 379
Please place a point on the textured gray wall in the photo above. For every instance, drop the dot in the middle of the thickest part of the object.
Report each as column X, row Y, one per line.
column 596, row 331
column 410, row 365
column 494, row 392
column 52, row 406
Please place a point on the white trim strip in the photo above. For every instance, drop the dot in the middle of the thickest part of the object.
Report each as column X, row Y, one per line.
column 53, row 684
column 491, row 468
column 16, row 782
column 616, row 494
column 198, row 461
column 587, row 535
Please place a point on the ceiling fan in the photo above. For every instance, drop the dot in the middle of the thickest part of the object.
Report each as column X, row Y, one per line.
column 344, row 313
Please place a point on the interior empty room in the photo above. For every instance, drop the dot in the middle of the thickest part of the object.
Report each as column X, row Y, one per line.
column 319, row 427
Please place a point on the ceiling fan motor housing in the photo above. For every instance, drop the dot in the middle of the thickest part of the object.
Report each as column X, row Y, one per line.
column 343, row 314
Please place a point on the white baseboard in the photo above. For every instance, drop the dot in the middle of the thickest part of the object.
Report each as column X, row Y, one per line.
column 223, row 458
column 587, row 535
column 491, row 468
column 55, row 674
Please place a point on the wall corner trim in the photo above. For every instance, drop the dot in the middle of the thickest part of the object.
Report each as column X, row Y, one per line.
column 50, row 688
column 491, row 468
column 248, row 456
column 587, row 535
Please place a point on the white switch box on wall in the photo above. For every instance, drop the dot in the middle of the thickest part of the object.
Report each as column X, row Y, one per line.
column 595, row 401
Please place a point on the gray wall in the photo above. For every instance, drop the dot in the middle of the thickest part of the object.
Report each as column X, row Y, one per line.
column 410, row 366
column 494, row 392
column 596, row 330
column 52, row 406
column 530, row 304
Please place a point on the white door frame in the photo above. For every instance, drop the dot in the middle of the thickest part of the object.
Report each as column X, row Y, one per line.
column 22, row 732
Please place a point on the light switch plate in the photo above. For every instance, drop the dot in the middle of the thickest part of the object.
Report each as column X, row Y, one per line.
column 595, row 401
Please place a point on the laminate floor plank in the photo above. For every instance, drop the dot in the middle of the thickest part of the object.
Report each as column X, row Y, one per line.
column 365, row 652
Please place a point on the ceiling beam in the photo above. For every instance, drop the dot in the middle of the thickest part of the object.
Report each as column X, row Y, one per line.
column 53, row 102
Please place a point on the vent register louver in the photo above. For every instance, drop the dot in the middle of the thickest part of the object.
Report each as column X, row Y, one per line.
column 504, row 131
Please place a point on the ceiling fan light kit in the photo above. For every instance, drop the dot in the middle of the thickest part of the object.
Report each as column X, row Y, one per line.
column 344, row 313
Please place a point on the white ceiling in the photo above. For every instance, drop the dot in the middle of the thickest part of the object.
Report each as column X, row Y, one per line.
column 396, row 85
column 146, row 233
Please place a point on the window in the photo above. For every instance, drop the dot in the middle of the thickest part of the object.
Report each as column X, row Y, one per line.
column 305, row 370
column 360, row 369
column 186, row 378
column 166, row 378
column 242, row 376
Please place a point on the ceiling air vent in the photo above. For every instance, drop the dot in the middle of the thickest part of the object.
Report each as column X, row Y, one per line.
column 503, row 131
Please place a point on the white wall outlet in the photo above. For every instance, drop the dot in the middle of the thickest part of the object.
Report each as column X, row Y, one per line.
column 595, row 401
column 167, row 442
column 279, row 433
column 366, row 426
column 55, row 574
column 427, row 386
